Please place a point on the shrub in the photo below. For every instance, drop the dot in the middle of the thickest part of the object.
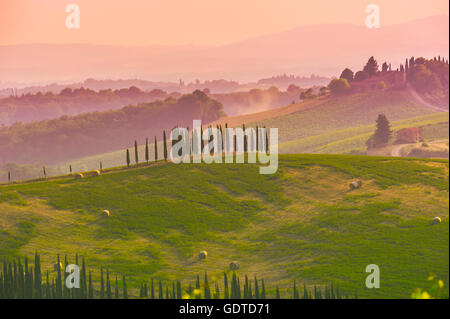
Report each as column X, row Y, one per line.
column 339, row 86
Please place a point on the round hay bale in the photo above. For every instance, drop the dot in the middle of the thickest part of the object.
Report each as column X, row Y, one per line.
column 79, row 176
column 55, row 266
column 106, row 213
column 234, row 265
column 203, row 254
column 355, row 184
column 437, row 220
column 97, row 173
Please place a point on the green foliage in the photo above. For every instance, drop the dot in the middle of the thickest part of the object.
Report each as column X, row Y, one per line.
column 347, row 74
column 371, row 68
column 339, row 85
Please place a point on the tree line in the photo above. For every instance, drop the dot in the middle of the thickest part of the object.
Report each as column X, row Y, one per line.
column 27, row 281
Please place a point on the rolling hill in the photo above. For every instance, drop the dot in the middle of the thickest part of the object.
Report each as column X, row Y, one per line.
column 310, row 125
column 301, row 223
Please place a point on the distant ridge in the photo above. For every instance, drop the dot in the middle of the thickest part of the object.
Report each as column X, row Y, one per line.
column 320, row 49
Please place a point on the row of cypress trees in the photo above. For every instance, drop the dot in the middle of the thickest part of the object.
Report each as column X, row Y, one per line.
column 262, row 139
column 26, row 281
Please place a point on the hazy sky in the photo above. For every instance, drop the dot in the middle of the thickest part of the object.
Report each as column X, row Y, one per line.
column 174, row 22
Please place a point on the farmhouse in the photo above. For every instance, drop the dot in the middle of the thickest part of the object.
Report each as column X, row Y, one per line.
column 409, row 135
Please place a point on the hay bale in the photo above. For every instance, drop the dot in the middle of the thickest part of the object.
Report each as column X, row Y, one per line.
column 97, row 173
column 234, row 265
column 355, row 184
column 55, row 266
column 437, row 220
column 79, row 176
column 203, row 254
column 106, row 213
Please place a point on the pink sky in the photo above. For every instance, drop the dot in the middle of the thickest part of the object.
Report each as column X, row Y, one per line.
column 175, row 22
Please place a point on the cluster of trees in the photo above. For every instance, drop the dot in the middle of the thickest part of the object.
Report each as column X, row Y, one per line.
column 27, row 281
column 428, row 76
column 56, row 140
column 302, row 81
column 40, row 106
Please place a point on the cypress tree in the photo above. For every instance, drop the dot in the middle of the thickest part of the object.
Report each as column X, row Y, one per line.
column 136, row 153
column 58, row 277
column 174, row 293
column 70, row 169
column 165, row 146
column 156, row 150
column 179, row 294
column 101, row 166
column 383, row 131
column 9, row 177
column 37, row 276
column 256, row 289
column 217, row 291
column 116, row 289
column 295, row 295
column 147, row 154
column 267, row 140
column 108, row 286
column 263, row 290
column 91, row 288
column 305, row 292
column 197, row 287
column 207, row 291
column 45, row 172
column 161, row 295
column 152, row 291
column 102, row 284
column 278, row 294
column 128, row 158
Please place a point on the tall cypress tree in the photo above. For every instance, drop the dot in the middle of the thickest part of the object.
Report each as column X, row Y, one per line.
column 147, row 154
column 156, row 150
column 179, row 294
column 207, row 290
column 160, row 290
column 116, row 289
column 91, row 288
column 152, row 291
column 108, row 286
column 383, row 131
column 128, row 158
column 102, row 284
column 165, row 145
column 136, row 153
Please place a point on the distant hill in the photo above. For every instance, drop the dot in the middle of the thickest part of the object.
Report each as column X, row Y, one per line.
column 319, row 49
column 56, row 140
column 42, row 106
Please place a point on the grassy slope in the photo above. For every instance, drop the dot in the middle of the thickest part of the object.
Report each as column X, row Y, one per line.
column 300, row 223
column 344, row 112
column 434, row 126
column 311, row 119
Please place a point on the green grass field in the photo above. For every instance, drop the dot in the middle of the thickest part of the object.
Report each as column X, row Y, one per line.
column 301, row 223
column 434, row 126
